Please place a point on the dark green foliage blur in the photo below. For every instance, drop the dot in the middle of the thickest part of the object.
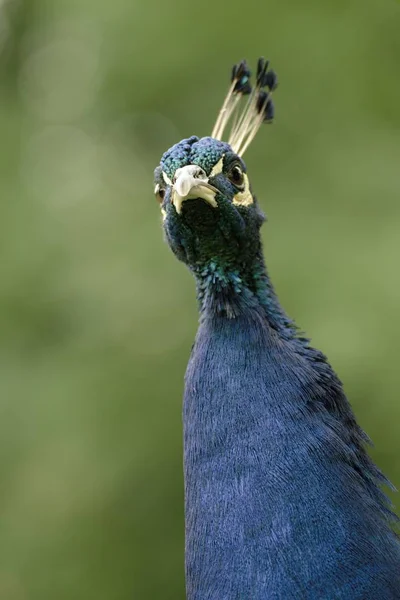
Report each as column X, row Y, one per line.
column 97, row 317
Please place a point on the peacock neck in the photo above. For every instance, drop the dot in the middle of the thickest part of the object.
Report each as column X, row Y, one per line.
column 231, row 289
column 275, row 465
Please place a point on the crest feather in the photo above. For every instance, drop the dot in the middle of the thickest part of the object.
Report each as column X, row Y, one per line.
column 246, row 117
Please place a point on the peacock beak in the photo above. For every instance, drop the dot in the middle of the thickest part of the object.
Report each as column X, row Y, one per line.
column 192, row 182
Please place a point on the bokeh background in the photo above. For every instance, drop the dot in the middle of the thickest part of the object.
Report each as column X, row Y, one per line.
column 97, row 317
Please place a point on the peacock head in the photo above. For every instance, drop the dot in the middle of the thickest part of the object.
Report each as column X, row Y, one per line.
column 209, row 211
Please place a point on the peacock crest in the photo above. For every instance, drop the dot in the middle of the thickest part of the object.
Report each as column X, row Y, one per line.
column 246, row 115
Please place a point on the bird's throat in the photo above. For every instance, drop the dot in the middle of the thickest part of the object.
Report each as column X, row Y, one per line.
column 232, row 289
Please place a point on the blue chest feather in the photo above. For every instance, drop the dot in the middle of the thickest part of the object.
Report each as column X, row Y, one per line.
column 282, row 502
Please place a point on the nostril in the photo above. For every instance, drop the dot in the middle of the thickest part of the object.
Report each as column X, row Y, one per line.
column 200, row 174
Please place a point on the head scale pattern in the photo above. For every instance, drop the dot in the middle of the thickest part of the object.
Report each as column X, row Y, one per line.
column 203, row 152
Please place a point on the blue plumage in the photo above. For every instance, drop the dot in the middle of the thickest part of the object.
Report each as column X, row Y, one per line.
column 282, row 501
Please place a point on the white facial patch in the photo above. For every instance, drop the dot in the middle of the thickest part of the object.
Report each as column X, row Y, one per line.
column 217, row 168
column 166, row 178
column 245, row 197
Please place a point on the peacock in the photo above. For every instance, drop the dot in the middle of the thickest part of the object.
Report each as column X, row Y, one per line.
column 282, row 501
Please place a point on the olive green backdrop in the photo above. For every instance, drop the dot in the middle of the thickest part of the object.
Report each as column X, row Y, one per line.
column 96, row 315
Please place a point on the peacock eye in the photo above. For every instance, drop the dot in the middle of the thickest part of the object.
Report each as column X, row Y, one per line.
column 236, row 176
column 159, row 193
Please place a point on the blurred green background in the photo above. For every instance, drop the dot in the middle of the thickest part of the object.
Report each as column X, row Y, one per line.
column 97, row 317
